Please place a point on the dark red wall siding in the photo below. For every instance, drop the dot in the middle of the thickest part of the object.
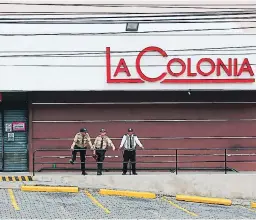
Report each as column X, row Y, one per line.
column 55, row 125
column 139, row 112
column 149, row 129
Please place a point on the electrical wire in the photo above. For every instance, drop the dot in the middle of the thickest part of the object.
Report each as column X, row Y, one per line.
column 87, row 66
column 229, row 48
column 136, row 17
column 187, row 13
column 128, row 33
column 162, row 15
column 124, row 55
column 82, row 55
column 144, row 21
column 202, row 6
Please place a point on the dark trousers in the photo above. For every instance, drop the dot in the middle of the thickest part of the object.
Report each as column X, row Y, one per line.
column 82, row 152
column 100, row 158
column 129, row 156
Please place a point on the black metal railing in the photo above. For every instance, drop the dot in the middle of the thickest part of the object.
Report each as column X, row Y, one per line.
column 180, row 156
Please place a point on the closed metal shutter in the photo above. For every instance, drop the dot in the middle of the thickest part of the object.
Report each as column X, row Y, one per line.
column 16, row 152
column 1, row 143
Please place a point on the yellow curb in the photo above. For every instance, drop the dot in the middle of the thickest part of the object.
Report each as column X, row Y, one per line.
column 49, row 189
column 253, row 205
column 144, row 195
column 218, row 201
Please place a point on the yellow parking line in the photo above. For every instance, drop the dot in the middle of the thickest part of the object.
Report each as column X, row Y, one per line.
column 13, row 200
column 246, row 208
column 1, row 178
column 90, row 196
column 179, row 207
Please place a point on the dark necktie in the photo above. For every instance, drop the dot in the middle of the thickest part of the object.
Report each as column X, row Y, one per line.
column 130, row 142
column 101, row 145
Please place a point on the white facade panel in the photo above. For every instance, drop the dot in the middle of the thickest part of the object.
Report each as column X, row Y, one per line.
column 72, row 57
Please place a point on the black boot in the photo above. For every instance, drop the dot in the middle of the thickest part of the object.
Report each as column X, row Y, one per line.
column 99, row 169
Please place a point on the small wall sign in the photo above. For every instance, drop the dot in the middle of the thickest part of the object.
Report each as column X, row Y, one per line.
column 8, row 127
column 10, row 137
column 18, row 126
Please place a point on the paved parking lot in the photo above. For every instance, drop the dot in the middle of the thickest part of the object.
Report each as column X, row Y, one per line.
column 15, row 204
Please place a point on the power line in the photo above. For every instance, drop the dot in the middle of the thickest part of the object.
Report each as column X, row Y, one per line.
column 187, row 13
column 80, row 55
column 86, row 66
column 144, row 21
column 202, row 6
column 136, row 51
column 162, row 15
column 165, row 17
column 128, row 33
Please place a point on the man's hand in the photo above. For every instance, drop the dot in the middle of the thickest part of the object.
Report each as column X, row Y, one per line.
column 142, row 148
column 72, row 147
column 120, row 148
column 113, row 148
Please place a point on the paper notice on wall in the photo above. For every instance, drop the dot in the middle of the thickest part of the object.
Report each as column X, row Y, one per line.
column 18, row 126
column 10, row 137
column 8, row 127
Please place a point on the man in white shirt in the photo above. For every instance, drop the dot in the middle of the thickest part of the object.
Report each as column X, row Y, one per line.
column 130, row 141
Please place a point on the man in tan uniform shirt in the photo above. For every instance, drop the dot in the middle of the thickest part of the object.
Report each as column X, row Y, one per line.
column 101, row 144
column 81, row 141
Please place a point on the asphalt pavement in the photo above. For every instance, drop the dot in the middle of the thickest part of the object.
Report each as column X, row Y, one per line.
column 15, row 204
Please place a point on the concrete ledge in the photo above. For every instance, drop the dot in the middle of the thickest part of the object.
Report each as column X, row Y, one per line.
column 253, row 205
column 197, row 199
column 144, row 195
column 216, row 185
column 49, row 189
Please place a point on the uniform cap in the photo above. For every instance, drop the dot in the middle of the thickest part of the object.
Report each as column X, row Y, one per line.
column 130, row 130
column 102, row 130
column 83, row 130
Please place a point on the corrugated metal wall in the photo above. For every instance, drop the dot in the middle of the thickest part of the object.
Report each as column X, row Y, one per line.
column 158, row 126
column 1, row 141
column 15, row 152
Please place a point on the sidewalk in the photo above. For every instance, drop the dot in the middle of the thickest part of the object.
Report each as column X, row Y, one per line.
column 231, row 185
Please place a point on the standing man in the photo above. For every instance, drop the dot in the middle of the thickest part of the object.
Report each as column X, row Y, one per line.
column 101, row 143
column 129, row 141
column 81, row 141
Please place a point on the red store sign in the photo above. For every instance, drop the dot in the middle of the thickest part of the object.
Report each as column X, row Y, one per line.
column 234, row 72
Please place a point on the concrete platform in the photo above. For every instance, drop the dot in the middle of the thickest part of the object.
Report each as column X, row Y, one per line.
column 231, row 186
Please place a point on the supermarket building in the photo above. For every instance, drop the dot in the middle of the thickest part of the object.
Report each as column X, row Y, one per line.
column 174, row 90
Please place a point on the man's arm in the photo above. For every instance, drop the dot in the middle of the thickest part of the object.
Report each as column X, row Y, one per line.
column 94, row 144
column 89, row 141
column 74, row 142
column 122, row 142
column 110, row 143
column 137, row 141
